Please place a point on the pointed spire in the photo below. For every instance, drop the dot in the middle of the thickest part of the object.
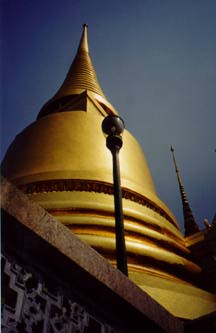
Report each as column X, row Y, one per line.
column 83, row 45
column 80, row 77
column 190, row 224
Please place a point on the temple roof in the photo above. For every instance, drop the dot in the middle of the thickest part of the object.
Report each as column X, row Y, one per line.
column 61, row 161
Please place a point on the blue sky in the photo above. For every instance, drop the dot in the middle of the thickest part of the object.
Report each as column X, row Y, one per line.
column 156, row 63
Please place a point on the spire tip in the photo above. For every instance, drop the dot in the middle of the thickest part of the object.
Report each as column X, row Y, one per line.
column 84, row 40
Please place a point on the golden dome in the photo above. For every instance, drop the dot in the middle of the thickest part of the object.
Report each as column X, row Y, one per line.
column 61, row 162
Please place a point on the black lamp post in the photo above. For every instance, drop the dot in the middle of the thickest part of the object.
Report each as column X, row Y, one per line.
column 113, row 127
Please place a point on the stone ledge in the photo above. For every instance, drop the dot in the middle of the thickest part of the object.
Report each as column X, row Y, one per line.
column 30, row 232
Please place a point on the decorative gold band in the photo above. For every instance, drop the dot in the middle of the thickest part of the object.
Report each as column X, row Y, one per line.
column 60, row 185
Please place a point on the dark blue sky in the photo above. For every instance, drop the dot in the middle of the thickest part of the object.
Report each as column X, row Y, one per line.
column 156, row 63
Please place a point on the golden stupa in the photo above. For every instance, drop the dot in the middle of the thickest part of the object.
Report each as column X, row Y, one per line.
column 62, row 163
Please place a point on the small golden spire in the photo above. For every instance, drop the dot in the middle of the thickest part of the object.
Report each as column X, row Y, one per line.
column 83, row 46
column 80, row 77
column 190, row 224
